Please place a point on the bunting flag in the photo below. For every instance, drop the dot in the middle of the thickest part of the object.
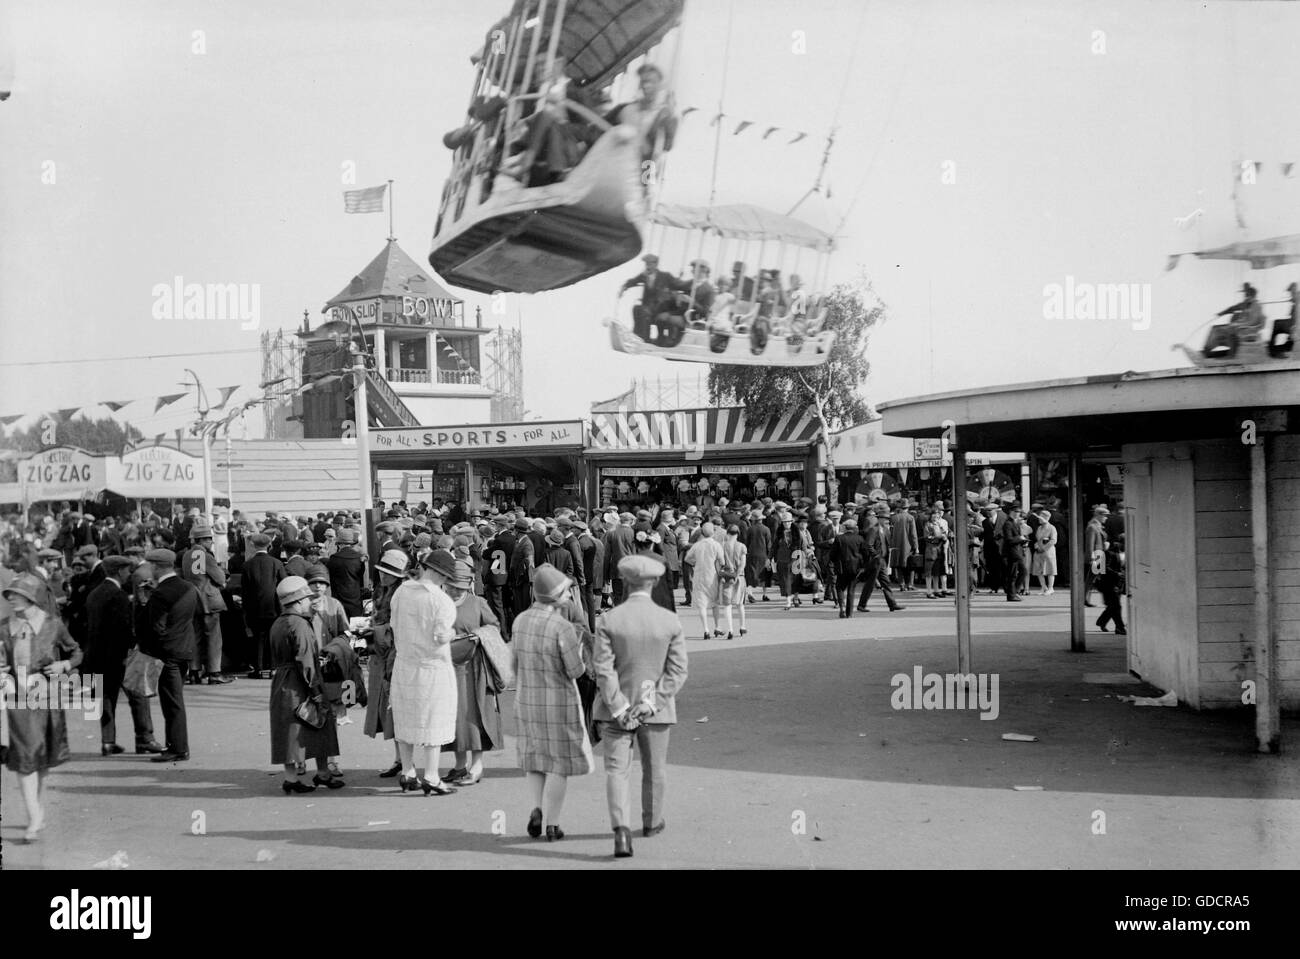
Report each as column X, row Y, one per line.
column 179, row 433
column 1173, row 262
column 689, row 110
column 369, row 200
column 226, row 391
column 797, row 137
column 64, row 414
column 742, row 126
column 6, row 420
column 1288, row 169
column 716, row 120
column 770, row 130
column 115, row 405
column 165, row 400
column 157, row 440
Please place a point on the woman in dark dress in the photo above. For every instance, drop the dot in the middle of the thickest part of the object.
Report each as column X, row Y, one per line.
column 379, row 713
column 295, row 657
column 35, row 649
column 478, row 710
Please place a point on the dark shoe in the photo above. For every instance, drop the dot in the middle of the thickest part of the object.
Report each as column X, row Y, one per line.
column 535, row 823
column 554, row 833
column 843, row 614
column 863, row 609
column 329, row 782
column 717, row 634
column 1014, row 599
column 111, row 749
column 391, row 771
column 296, row 786
column 466, row 779
column 253, row 674
column 454, row 774
column 894, row 609
column 216, row 680
column 437, row 788
column 622, row 843
column 1121, row 632
column 1086, row 603
column 1102, row 628
column 654, row 830
column 170, row 757
column 743, row 630
column 412, row 784
column 729, row 636
column 154, row 747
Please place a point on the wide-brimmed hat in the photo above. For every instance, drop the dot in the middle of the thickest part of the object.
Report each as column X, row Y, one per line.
column 291, row 589
column 549, row 583
column 318, row 574
column 555, row 538
column 464, row 578
column 440, row 561
column 27, row 586
column 393, row 562
column 347, row 537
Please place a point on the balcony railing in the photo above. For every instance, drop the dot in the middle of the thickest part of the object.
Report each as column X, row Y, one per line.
column 444, row 377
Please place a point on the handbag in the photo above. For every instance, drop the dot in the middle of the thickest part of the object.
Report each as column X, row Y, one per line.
column 142, row 673
column 310, row 713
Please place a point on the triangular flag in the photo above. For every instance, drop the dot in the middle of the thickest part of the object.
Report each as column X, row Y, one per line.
column 64, row 414
column 1173, row 262
column 179, row 434
column 6, row 420
column 714, row 121
column 742, row 125
column 225, row 395
column 1288, row 169
column 164, row 400
column 689, row 110
column 770, row 131
column 115, row 405
column 797, row 138
column 157, row 440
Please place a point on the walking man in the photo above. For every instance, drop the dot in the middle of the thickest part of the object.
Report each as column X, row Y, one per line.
column 877, row 565
column 1094, row 537
column 1013, row 545
column 202, row 571
column 850, row 555
column 262, row 573
column 640, row 664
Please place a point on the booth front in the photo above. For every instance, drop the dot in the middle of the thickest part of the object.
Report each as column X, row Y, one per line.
column 535, row 465
column 698, row 457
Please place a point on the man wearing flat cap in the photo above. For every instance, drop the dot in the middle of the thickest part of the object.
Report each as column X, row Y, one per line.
column 620, row 541
column 347, row 569
column 262, row 574
column 110, row 636
column 201, row 570
column 657, row 288
column 175, row 614
column 640, row 664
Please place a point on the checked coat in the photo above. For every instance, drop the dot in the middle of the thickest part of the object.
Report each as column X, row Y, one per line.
column 549, row 656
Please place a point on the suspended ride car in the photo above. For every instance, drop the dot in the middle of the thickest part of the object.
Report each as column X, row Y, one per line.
column 545, row 190
column 1246, row 337
column 738, row 319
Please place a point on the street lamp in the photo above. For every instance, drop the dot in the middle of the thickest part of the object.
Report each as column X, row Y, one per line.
column 205, row 431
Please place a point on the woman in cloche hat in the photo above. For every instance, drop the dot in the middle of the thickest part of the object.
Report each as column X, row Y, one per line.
column 295, row 657
column 478, row 711
column 35, row 648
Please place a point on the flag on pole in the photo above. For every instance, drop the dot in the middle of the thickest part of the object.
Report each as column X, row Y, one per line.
column 369, row 200
column 226, row 391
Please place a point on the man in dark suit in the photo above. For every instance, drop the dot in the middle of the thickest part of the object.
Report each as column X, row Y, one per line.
column 318, row 531
column 110, row 636
column 620, row 541
column 849, row 557
column 110, row 538
column 262, row 573
column 82, row 584
column 496, row 571
column 876, row 572
column 205, row 574
column 1013, row 547
column 657, row 287
column 175, row 614
column 993, row 522
column 640, row 665
column 593, row 569
column 85, row 533
column 823, row 537
column 742, row 286
column 347, row 569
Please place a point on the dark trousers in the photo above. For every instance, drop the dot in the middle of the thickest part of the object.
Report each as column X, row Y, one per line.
column 828, row 576
column 992, row 568
column 141, row 715
column 875, row 577
column 686, row 581
column 593, row 604
column 848, row 580
column 492, row 594
column 619, row 590
column 171, row 693
column 1013, row 571
column 641, row 322
column 207, row 650
column 1113, row 611
column 258, row 649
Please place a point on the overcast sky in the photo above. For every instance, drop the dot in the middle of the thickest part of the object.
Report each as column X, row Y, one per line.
column 1077, row 134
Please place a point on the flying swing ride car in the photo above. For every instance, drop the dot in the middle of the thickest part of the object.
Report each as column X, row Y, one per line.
column 1245, row 338
column 738, row 319
column 548, row 187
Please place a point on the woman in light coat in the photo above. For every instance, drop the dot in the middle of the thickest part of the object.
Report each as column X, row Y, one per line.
column 1043, row 563
column 423, row 691
column 735, row 556
column 552, row 741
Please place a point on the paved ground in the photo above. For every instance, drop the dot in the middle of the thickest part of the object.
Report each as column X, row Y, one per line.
column 788, row 755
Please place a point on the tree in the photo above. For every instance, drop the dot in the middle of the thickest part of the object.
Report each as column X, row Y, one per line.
column 833, row 390
column 105, row 436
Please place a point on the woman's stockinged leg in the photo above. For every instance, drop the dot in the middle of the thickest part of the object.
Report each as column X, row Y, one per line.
column 553, row 797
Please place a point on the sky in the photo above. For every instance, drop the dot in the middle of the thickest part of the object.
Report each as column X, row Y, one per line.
column 983, row 152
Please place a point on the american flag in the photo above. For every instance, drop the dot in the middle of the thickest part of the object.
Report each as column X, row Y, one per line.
column 369, row 200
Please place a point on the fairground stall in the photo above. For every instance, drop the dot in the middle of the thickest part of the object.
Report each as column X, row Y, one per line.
column 698, row 457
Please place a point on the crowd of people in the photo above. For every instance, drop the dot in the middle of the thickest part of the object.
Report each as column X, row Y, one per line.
column 577, row 610
column 737, row 304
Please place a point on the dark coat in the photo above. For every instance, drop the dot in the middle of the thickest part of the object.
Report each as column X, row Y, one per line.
column 210, row 579
column 561, row 559
column 110, row 632
column 593, row 560
column 347, row 571
column 297, row 677
column 175, row 613
column 619, row 542
column 257, row 586
column 850, row 554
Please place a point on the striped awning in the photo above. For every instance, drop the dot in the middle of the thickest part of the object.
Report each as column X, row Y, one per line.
column 690, row 432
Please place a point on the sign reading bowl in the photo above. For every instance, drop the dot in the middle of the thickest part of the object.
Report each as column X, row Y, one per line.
column 494, row 436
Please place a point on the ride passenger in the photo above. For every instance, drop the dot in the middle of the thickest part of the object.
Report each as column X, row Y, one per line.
column 654, row 115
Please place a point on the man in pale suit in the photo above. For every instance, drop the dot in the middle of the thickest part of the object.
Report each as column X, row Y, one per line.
column 640, row 664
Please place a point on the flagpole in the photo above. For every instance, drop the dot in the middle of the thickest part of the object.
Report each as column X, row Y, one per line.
column 390, row 211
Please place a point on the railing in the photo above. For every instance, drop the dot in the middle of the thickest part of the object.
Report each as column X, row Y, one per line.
column 444, row 378
column 388, row 405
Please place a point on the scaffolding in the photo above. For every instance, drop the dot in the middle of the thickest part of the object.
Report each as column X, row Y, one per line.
column 682, row 392
column 503, row 374
column 281, row 377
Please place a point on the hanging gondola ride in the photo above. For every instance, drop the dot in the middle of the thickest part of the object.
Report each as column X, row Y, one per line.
column 742, row 320
column 1248, row 337
column 547, row 187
